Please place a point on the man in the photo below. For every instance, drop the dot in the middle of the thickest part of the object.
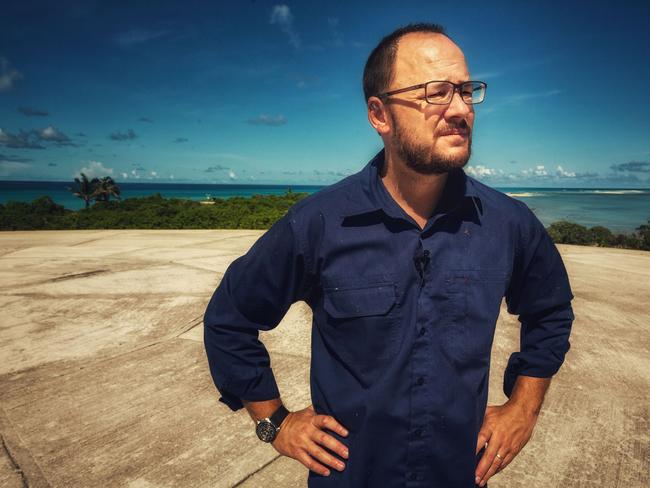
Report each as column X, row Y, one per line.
column 404, row 266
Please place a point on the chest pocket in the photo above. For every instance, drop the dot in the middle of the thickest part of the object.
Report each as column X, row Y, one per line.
column 472, row 304
column 360, row 324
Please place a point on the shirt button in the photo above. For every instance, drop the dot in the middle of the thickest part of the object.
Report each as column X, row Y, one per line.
column 420, row 380
column 413, row 477
column 418, row 432
column 423, row 331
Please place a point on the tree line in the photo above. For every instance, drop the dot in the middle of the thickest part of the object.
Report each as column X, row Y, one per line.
column 255, row 212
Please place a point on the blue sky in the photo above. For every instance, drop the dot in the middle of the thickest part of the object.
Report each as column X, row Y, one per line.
column 270, row 92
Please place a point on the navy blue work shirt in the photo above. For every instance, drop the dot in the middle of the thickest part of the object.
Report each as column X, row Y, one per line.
column 403, row 320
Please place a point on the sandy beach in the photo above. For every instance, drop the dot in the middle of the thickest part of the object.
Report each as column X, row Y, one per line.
column 104, row 381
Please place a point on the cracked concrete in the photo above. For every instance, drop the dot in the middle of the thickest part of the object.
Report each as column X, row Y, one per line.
column 104, row 381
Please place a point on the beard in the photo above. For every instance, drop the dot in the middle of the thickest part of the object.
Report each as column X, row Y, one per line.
column 419, row 157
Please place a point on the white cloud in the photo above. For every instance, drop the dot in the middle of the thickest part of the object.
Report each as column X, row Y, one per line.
column 51, row 133
column 515, row 100
column 125, row 175
column 10, row 167
column 480, row 171
column 22, row 140
column 337, row 37
column 519, row 97
column 563, row 173
column 265, row 119
column 486, row 75
column 153, row 173
column 232, row 175
column 138, row 36
column 8, row 75
column 281, row 15
column 95, row 169
column 540, row 170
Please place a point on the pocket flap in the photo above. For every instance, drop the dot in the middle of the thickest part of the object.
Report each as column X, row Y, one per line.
column 476, row 275
column 360, row 301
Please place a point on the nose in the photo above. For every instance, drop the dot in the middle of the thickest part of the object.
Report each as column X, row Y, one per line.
column 457, row 107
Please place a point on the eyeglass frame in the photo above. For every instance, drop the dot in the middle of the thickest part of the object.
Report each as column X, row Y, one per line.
column 457, row 86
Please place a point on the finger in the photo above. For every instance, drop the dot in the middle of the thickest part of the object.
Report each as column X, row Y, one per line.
column 324, row 457
column 488, row 457
column 493, row 469
column 329, row 422
column 312, row 464
column 506, row 460
column 483, row 438
column 331, row 443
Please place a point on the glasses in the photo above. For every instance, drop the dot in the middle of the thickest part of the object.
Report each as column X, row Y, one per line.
column 441, row 92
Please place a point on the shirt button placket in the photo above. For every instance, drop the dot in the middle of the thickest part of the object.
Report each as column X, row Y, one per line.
column 420, row 404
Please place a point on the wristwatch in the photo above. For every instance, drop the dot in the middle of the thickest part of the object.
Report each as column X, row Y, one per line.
column 267, row 429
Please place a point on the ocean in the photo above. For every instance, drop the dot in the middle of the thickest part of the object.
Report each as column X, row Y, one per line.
column 619, row 209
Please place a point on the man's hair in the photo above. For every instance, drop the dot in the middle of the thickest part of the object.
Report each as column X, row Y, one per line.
column 378, row 73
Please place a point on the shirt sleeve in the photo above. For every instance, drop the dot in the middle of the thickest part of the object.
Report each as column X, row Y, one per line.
column 540, row 293
column 255, row 293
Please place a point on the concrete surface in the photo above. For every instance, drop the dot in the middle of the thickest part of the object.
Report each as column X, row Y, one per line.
column 104, row 380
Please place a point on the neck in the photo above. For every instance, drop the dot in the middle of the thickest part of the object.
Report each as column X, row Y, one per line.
column 418, row 194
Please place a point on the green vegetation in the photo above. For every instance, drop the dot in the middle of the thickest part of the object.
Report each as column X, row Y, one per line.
column 152, row 212
column 256, row 212
column 98, row 189
column 563, row 232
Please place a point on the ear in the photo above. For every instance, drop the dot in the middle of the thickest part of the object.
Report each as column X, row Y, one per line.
column 377, row 115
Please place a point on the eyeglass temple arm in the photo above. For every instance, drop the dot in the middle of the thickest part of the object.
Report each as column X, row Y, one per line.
column 401, row 90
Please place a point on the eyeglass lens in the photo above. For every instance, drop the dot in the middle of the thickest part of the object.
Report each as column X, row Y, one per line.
column 440, row 92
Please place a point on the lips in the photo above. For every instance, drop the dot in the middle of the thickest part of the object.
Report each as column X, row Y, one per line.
column 455, row 132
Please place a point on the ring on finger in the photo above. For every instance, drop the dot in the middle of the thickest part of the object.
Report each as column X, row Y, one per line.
column 500, row 458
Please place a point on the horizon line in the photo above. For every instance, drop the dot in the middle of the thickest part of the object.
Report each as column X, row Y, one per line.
column 181, row 182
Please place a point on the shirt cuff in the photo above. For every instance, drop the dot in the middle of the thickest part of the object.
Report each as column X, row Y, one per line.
column 516, row 368
column 259, row 388
column 544, row 342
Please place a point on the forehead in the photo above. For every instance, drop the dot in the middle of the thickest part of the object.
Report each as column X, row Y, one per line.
column 428, row 56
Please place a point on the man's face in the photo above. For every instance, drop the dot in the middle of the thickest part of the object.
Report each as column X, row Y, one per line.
column 419, row 130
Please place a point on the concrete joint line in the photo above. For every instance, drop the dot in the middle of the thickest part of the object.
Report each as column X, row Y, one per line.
column 239, row 483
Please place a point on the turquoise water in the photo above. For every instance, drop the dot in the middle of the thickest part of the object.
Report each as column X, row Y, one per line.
column 621, row 210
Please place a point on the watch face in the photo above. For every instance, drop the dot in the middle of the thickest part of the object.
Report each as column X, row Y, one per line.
column 266, row 431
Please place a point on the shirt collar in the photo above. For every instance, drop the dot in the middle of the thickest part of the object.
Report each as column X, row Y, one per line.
column 372, row 195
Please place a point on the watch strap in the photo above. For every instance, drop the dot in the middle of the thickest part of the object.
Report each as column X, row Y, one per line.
column 278, row 416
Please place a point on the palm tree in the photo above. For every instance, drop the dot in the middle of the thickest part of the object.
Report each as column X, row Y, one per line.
column 85, row 189
column 105, row 188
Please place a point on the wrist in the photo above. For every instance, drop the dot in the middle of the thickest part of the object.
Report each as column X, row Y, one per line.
column 529, row 409
column 528, row 394
column 267, row 428
column 259, row 410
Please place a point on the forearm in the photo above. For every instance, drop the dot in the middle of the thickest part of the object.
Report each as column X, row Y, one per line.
column 528, row 393
column 254, row 294
column 263, row 409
